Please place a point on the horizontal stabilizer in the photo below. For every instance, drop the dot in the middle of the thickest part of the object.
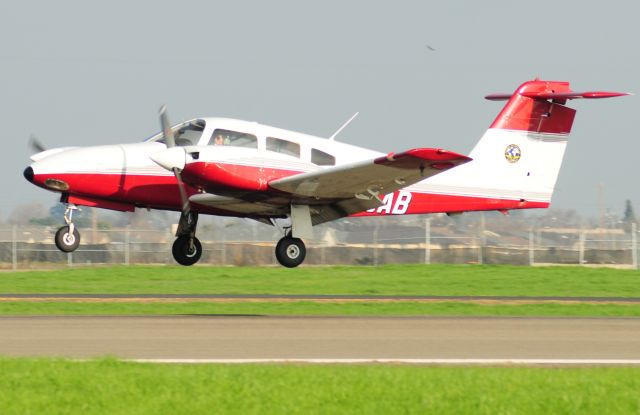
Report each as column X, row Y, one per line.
column 574, row 95
column 498, row 97
column 558, row 95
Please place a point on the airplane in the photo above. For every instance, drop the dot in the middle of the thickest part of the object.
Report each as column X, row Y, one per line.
column 294, row 181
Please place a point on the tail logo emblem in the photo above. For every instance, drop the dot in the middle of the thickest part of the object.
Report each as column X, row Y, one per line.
column 512, row 153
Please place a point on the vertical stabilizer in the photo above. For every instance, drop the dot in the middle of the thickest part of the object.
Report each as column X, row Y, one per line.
column 516, row 162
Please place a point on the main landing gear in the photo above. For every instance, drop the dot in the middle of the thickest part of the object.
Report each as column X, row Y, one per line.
column 187, row 249
column 290, row 251
column 67, row 238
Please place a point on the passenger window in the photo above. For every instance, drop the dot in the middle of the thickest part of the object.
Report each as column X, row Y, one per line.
column 283, row 146
column 321, row 158
column 234, row 139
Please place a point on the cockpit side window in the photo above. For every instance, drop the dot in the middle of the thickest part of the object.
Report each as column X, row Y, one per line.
column 283, row 146
column 185, row 134
column 321, row 158
column 233, row 138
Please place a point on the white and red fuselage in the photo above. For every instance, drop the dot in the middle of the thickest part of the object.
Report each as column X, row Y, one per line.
column 514, row 165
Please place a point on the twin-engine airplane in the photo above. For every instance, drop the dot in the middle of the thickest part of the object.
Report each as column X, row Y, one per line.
column 294, row 181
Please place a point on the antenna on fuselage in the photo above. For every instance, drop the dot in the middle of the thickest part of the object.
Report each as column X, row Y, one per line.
column 333, row 137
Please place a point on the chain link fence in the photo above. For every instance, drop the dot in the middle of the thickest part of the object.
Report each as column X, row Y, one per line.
column 32, row 247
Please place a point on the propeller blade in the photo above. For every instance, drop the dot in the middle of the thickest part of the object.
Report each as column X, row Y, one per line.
column 171, row 161
column 35, row 144
column 166, row 127
column 183, row 193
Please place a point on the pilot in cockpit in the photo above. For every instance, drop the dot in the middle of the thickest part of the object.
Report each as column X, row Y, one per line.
column 218, row 140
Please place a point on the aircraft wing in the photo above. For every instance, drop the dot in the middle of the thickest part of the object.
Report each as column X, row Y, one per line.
column 364, row 179
column 355, row 187
column 339, row 191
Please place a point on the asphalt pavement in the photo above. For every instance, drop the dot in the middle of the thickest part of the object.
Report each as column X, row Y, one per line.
column 270, row 337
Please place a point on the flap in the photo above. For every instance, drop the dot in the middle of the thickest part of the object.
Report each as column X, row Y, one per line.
column 232, row 204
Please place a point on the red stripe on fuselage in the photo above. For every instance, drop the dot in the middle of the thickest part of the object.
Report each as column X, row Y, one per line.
column 421, row 203
column 154, row 191
column 161, row 192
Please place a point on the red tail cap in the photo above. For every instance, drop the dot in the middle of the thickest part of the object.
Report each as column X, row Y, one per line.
column 538, row 106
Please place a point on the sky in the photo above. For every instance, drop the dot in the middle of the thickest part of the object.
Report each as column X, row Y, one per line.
column 90, row 73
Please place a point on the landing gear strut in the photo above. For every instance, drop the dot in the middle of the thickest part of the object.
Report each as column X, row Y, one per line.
column 290, row 252
column 187, row 249
column 67, row 238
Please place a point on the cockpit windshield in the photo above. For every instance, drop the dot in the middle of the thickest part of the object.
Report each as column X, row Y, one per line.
column 185, row 134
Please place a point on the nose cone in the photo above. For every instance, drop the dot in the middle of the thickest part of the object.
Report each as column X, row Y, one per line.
column 87, row 170
column 28, row 174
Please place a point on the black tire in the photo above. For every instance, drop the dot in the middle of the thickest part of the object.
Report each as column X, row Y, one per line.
column 290, row 252
column 65, row 241
column 181, row 252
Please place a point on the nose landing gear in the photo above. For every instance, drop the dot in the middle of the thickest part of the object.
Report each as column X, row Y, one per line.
column 187, row 249
column 67, row 238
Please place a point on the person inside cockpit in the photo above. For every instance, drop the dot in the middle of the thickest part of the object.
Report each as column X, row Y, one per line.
column 218, row 140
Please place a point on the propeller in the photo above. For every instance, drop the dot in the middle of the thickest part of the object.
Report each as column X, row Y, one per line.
column 35, row 144
column 171, row 143
column 167, row 132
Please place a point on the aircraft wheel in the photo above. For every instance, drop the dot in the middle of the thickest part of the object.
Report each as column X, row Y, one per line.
column 183, row 253
column 290, row 252
column 67, row 241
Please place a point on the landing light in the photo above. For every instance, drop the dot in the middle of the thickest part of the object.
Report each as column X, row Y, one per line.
column 56, row 184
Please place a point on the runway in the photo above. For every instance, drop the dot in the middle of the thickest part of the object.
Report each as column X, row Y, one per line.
column 316, row 338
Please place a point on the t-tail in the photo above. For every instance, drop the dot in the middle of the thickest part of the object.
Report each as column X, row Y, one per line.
column 516, row 162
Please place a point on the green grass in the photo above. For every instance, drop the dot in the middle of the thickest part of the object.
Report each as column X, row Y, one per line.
column 385, row 280
column 109, row 386
column 452, row 308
